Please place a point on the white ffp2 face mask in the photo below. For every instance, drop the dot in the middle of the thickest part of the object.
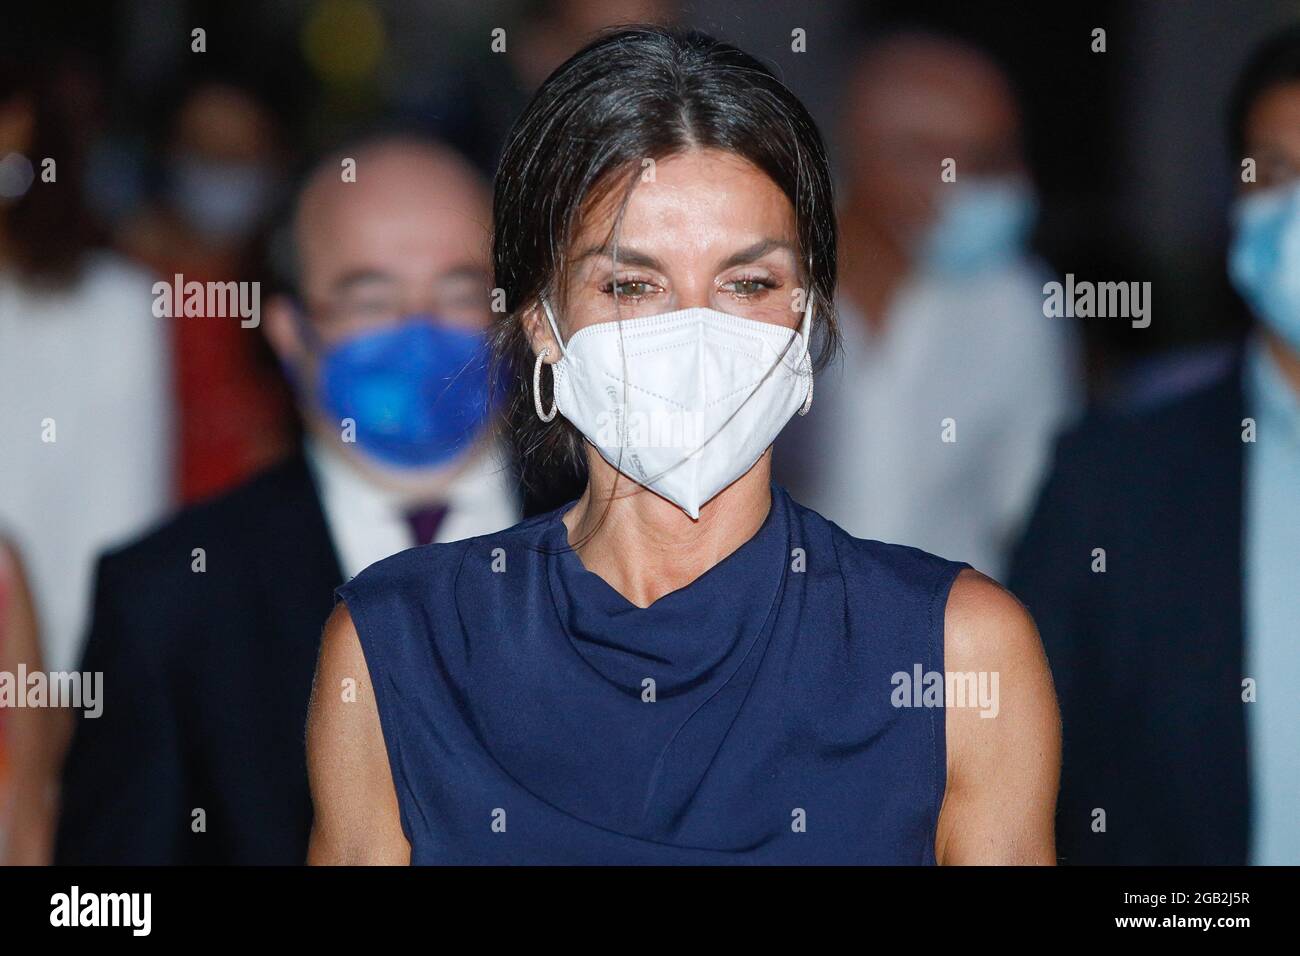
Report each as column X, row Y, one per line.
column 686, row 402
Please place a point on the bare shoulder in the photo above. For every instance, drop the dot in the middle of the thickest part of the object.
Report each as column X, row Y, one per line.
column 1002, row 730
column 984, row 623
column 356, row 815
column 340, row 645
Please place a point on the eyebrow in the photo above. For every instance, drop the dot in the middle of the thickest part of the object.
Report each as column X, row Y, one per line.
column 634, row 257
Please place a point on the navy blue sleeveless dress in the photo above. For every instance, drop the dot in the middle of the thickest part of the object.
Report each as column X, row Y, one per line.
column 533, row 715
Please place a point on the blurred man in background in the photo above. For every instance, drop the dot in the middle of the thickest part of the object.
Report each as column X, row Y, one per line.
column 207, row 630
column 1163, row 563
column 936, row 427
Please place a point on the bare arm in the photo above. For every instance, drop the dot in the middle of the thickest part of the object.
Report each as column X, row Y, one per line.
column 1003, row 770
column 356, row 814
column 38, row 735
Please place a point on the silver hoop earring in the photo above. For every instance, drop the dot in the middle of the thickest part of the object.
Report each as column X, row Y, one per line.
column 537, row 386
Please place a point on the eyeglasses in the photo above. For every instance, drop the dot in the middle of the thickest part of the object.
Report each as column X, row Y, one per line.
column 458, row 301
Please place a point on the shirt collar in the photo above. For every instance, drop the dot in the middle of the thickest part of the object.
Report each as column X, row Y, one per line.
column 1272, row 399
column 367, row 521
column 479, row 481
column 339, row 481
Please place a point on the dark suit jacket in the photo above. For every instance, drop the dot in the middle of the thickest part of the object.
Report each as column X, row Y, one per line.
column 1147, row 657
column 206, row 681
column 207, row 676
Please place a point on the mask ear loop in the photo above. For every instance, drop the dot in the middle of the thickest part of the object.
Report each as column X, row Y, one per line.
column 555, row 329
column 805, row 331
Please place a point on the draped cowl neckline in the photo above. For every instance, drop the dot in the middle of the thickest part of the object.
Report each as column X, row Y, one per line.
column 688, row 637
column 515, row 693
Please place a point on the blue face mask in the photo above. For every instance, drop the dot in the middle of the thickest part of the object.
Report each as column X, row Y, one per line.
column 980, row 224
column 418, row 391
column 1264, row 258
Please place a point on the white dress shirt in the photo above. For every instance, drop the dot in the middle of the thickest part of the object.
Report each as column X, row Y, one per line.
column 92, row 362
column 368, row 523
column 870, row 454
column 1272, row 583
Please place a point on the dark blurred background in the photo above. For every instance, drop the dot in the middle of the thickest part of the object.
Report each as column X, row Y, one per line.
column 180, row 129
column 1127, row 146
column 184, row 126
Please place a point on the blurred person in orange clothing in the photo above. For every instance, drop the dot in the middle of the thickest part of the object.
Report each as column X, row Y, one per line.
column 222, row 178
column 30, row 738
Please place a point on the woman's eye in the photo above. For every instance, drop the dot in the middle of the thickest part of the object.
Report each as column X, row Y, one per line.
column 630, row 289
column 749, row 287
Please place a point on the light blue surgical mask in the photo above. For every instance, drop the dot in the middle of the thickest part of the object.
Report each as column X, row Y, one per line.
column 1264, row 257
column 981, row 223
column 225, row 201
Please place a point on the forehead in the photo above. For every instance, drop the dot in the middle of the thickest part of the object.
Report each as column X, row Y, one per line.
column 225, row 123
column 691, row 202
column 403, row 218
column 1274, row 118
column 923, row 95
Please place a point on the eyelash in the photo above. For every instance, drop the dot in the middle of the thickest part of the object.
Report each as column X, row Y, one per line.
column 763, row 281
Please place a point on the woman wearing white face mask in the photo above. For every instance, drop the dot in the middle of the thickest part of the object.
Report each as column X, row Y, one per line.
column 684, row 665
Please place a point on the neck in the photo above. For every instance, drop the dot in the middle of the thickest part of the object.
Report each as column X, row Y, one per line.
column 872, row 266
column 1286, row 358
column 644, row 546
column 413, row 487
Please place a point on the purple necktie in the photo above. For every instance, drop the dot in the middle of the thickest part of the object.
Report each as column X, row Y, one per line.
column 424, row 522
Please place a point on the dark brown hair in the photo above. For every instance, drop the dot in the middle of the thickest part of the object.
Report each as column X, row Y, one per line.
column 1274, row 62
column 48, row 229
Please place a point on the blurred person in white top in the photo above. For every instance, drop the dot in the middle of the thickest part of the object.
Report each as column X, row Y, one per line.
column 85, row 398
column 935, row 428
